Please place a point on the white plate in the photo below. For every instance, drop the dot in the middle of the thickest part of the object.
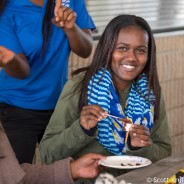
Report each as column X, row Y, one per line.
column 125, row 162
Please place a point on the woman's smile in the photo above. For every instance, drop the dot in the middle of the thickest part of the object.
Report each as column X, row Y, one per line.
column 127, row 67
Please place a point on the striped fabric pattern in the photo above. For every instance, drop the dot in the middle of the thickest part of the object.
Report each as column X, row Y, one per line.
column 101, row 92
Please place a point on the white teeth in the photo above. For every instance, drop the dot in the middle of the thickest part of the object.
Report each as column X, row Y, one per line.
column 129, row 66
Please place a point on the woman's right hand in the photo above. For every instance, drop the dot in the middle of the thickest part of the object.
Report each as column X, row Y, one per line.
column 64, row 17
column 91, row 115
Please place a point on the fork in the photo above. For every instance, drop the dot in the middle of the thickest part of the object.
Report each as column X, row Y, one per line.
column 114, row 116
column 127, row 129
column 117, row 118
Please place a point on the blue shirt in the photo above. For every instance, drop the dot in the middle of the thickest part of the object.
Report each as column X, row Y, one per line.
column 21, row 31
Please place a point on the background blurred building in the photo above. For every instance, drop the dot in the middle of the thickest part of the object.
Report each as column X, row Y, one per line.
column 162, row 15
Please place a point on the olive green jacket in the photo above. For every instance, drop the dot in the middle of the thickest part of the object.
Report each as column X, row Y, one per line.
column 64, row 136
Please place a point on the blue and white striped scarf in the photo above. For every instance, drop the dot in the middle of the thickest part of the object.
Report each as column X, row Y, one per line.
column 101, row 92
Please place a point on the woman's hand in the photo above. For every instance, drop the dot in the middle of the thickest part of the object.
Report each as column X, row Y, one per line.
column 6, row 56
column 15, row 65
column 86, row 166
column 64, row 16
column 139, row 136
column 91, row 115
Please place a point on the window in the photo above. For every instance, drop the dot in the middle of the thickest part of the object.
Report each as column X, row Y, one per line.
column 162, row 15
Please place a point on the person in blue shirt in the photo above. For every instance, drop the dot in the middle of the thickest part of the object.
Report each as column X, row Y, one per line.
column 38, row 36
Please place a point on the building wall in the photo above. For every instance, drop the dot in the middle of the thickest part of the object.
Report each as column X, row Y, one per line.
column 170, row 56
column 170, row 63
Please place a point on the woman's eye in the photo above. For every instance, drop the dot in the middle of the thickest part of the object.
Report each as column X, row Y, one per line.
column 122, row 48
column 141, row 51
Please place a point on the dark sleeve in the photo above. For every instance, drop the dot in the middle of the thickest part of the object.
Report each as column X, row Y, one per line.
column 56, row 173
column 89, row 132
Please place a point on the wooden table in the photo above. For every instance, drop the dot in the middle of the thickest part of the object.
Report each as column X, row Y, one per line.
column 157, row 172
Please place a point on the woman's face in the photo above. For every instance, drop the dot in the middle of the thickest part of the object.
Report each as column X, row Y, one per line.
column 130, row 56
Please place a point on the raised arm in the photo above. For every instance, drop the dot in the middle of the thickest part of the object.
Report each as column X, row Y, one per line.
column 80, row 40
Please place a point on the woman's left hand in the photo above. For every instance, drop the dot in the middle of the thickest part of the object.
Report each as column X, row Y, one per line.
column 6, row 56
column 139, row 136
column 64, row 16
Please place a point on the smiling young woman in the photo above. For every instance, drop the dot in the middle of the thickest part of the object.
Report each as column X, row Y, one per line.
column 121, row 81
